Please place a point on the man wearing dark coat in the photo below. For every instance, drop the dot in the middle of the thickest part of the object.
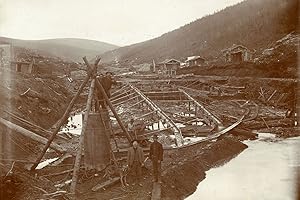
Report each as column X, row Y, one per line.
column 106, row 81
column 156, row 156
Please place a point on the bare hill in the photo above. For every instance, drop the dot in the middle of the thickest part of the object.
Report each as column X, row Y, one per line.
column 71, row 49
column 253, row 23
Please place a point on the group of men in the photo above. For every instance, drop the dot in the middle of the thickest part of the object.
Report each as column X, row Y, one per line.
column 136, row 160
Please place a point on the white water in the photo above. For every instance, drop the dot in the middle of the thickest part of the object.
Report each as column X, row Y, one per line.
column 265, row 170
column 74, row 124
column 45, row 163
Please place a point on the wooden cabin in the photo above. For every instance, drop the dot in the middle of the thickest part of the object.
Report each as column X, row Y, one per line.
column 31, row 67
column 194, row 61
column 168, row 67
column 237, row 54
column 24, row 67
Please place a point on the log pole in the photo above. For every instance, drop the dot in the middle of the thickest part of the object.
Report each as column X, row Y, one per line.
column 81, row 142
column 30, row 135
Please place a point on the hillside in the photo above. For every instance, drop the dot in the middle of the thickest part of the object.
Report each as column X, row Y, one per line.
column 253, row 23
column 278, row 61
column 71, row 49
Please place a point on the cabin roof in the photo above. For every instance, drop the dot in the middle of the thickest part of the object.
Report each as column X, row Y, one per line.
column 191, row 58
column 234, row 47
column 169, row 60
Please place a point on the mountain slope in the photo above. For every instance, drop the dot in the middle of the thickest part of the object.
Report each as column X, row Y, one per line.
column 71, row 49
column 253, row 23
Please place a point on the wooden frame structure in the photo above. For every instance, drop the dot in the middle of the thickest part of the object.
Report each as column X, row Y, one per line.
column 91, row 75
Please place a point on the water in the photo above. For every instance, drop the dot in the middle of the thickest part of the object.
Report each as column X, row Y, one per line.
column 46, row 162
column 265, row 170
column 74, row 124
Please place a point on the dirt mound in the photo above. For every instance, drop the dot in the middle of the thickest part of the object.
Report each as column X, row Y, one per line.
column 43, row 109
column 280, row 50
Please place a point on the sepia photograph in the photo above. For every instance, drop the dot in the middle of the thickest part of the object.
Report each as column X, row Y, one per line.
column 149, row 100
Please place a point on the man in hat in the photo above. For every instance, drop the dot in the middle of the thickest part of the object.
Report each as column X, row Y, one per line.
column 135, row 161
column 156, row 156
column 107, row 81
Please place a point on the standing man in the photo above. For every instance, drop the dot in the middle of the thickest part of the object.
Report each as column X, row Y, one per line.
column 135, row 161
column 156, row 156
column 107, row 81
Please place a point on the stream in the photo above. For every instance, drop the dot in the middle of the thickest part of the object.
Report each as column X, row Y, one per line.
column 74, row 126
column 265, row 170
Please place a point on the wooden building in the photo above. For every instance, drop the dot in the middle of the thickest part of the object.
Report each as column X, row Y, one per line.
column 237, row 54
column 31, row 67
column 24, row 67
column 167, row 67
column 195, row 61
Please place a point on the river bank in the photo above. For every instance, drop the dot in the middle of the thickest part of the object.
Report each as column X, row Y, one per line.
column 267, row 169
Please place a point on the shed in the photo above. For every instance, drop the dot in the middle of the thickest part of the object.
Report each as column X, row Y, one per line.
column 238, row 54
column 24, row 66
column 195, row 61
column 168, row 67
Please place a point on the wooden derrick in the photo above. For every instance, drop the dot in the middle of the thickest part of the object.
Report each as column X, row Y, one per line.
column 64, row 117
column 101, row 89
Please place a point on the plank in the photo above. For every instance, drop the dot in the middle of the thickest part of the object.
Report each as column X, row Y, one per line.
column 156, row 191
column 30, row 135
column 209, row 114
column 105, row 184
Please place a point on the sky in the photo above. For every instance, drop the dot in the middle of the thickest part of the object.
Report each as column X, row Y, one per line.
column 119, row 22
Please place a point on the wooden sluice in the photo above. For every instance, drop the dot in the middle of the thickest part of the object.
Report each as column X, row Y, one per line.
column 97, row 141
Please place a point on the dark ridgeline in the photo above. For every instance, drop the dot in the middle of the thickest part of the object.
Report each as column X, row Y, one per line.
column 252, row 23
column 70, row 49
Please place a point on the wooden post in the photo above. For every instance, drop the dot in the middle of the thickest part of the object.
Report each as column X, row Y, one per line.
column 204, row 110
column 81, row 142
column 64, row 117
column 116, row 92
column 100, row 88
column 271, row 96
column 127, row 109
